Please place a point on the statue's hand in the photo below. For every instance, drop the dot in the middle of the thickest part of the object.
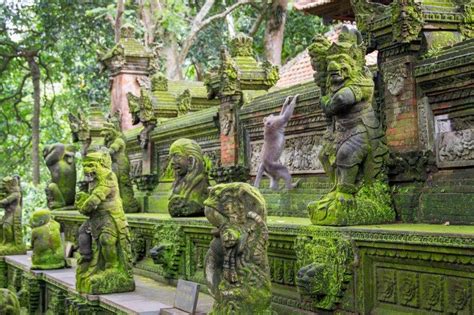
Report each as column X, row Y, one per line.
column 90, row 204
column 230, row 237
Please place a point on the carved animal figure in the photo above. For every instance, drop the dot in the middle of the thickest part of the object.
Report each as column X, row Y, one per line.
column 236, row 267
column 9, row 304
column 105, row 265
column 59, row 159
column 11, row 235
column 46, row 241
column 273, row 146
column 190, row 179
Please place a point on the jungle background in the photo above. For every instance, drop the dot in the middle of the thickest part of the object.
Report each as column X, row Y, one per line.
column 49, row 52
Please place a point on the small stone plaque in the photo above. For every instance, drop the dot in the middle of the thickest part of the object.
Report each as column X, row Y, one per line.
column 186, row 297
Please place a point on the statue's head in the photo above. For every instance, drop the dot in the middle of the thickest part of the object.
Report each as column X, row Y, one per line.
column 234, row 203
column 96, row 165
column 66, row 151
column 40, row 217
column 186, row 158
column 10, row 184
column 109, row 132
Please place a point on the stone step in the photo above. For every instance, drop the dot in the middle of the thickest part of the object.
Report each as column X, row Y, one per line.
column 149, row 298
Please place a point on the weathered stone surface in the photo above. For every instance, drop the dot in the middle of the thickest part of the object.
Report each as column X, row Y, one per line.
column 190, row 179
column 105, row 265
column 116, row 145
column 236, row 268
column 48, row 251
column 60, row 160
column 11, row 230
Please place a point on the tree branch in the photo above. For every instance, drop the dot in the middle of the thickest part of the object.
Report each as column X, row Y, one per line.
column 258, row 21
column 19, row 90
column 199, row 23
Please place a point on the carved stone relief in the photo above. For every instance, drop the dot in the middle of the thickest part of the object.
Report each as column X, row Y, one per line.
column 425, row 123
column 395, row 79
column 455, row 141
column 300, row 155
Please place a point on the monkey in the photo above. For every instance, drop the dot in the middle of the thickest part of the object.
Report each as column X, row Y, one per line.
column 273, row 145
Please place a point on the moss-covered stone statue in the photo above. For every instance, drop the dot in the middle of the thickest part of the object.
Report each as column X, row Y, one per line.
column 190, row 179
column 9, row 304
column 48, row 251
column 115, row 143
column 236, row 268
column 11, row 235
column 105, row 265
column 60, row 160
column 354, row 151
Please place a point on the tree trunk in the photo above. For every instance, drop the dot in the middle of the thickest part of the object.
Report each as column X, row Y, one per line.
column 273, row 40
column 173, row 64
column 35, row 123
column 118, row 19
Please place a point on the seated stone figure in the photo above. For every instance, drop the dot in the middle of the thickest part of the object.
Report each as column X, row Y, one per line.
column 59, row 159
column 11, row 233
column 105, row 265
column 9, row 304
column 48, row 251
column 190, row 179
column 236, row 267
column 354, row 151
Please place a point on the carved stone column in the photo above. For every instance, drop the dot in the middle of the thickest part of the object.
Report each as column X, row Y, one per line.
column 127, row 61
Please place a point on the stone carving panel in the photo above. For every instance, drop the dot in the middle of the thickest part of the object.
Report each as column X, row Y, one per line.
column 300, row 155
column 455, row 141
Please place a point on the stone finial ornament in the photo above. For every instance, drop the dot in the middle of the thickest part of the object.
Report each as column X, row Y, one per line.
column 273, row 146
column 190, row 179
column 48, row 251
column 236, row 267
column 11, row 232
column 9, row 304
column 105, row 265
column 115, row 143
column 60, row 160
column 354, row 150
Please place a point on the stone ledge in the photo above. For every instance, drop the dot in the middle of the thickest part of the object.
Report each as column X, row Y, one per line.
column 150, row 297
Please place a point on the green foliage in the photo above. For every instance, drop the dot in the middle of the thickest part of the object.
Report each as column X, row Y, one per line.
column 67, row 41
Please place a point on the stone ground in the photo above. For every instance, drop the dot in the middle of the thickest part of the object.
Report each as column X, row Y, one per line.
column 149, row 298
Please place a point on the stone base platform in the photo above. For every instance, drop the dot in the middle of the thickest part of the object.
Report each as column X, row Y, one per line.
column 373, row 269
column 53, row 292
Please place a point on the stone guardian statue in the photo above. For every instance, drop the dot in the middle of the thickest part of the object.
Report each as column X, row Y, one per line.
column 190, row 179
column 48, row 251
column 11, row 231
column 105, row 265
column 355, row 150
column 60, row 160
column 236, row 266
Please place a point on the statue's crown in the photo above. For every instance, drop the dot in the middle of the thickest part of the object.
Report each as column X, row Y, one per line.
column 349, row 43
column 101, row 156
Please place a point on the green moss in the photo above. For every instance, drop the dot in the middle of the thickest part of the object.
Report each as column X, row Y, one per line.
column 9, row 304
column 371, row 205
column 46, row 241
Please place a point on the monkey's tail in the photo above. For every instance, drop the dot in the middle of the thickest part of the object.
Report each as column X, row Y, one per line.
column 258, row 178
